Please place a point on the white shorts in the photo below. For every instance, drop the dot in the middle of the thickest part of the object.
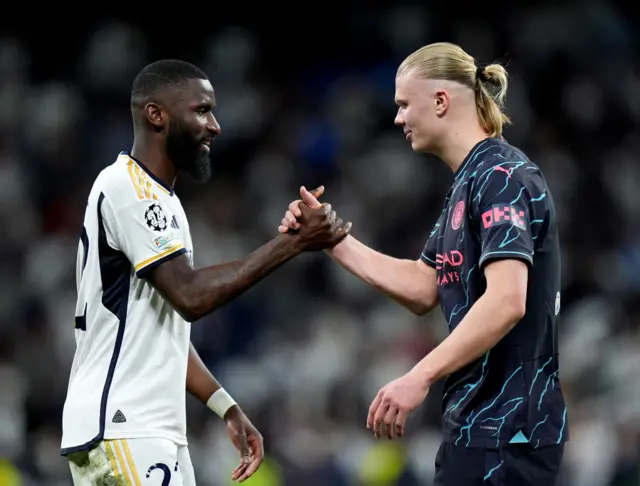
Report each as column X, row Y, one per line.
column 133, row 462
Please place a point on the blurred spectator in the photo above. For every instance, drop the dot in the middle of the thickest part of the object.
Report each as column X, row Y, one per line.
column 306, row 351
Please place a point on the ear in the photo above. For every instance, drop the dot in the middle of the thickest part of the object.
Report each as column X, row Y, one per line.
column 155, row 115
column 441, row 101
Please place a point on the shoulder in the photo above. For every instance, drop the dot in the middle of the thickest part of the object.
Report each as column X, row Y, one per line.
column 124, row 183
column 505, row 165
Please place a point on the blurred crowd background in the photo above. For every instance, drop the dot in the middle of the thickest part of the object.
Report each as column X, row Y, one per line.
column 308, row 99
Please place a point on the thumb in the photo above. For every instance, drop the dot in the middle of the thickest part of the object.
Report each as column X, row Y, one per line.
column 317, row 192
column 309, row 199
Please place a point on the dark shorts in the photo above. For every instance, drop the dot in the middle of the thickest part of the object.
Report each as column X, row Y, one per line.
column 513, row 465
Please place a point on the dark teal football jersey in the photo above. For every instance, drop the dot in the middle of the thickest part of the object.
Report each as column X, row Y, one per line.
column 498, row 207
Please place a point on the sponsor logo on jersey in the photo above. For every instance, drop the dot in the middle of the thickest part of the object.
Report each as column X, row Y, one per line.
column 447, row 265
column 164, row 240
column 503, row 214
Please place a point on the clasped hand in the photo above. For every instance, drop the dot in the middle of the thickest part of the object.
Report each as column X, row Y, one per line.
column 316, row 225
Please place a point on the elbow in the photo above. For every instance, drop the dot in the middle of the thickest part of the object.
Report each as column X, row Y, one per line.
column 419, row 308
column 187, row 306
column 517, row 306
column 186, row 311
column 514, row 306
column 520, row 310
column 517, row 314
column 188, row 315
column 423, row 305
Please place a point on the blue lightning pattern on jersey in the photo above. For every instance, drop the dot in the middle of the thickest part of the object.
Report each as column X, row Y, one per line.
column 487, row 403
column 472, row 418
column 540, row 370
column 564, row 423
column 492, row 470
column 505, row 242
column 456, row 310
column 544, row 420
column 546, row 387
column 487, row 175
column 518, row 401
column 519, row 196
column 469, row 387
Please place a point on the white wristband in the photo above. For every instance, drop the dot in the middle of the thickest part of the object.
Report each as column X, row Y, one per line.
column 220, row 402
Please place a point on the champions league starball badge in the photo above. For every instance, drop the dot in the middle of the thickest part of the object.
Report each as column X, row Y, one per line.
column 155, row 218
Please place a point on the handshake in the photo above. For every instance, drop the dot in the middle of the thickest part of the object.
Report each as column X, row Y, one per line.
column 315, row 225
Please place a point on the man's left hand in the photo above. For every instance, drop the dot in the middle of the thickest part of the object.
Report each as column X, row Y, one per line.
column 394, row 402
column 246, row 438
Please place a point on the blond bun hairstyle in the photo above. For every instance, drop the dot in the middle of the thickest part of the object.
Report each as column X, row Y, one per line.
column 450, row 62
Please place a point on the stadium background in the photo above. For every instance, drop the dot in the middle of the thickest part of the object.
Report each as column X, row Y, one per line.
column 308, row 99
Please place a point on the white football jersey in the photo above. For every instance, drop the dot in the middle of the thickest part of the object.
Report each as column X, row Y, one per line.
column 128, row 378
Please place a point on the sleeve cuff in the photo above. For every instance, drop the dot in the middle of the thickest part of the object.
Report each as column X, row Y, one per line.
column 505, row 255
column 431, row 263
column 146, row 266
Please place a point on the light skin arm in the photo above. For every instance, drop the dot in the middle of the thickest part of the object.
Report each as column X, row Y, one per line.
column 411, row 283
column 244, row 436
column 487, row 322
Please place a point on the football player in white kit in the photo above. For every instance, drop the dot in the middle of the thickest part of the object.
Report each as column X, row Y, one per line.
column 124, row 419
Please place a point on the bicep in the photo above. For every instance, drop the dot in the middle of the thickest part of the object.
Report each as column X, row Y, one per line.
column 507, row 281
column 429, row 277
column 428, row 271
column 172, row 280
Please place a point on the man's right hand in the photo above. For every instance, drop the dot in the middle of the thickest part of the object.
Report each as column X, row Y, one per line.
column 316, row 224
column 310, row 198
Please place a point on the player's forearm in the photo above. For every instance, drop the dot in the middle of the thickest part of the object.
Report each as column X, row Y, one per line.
column 400, row 279
column 212, row 287
column 202, row 385
column 200, row 382
column 486, row 323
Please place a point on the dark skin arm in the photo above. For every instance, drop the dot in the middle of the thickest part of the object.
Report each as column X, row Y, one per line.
column 244, row 436
column 196, row 293
column 200, row 382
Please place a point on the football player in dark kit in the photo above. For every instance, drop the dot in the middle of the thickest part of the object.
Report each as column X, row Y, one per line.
column 492, row 262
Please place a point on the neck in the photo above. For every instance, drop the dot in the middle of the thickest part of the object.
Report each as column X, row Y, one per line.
column 458, row 143
column 155, row 159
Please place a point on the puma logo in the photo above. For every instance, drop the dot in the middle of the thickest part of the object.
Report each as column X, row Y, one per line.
column 502, row 169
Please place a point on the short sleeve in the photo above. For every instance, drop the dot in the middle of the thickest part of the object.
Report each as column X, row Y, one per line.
column 430, row 249
column 501, row 212
column 142, row 230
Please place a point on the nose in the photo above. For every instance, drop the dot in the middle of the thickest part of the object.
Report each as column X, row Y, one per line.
column 213, row 126
column 399, row 120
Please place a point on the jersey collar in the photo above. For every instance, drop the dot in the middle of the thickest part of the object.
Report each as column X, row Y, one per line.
column 479, row 148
